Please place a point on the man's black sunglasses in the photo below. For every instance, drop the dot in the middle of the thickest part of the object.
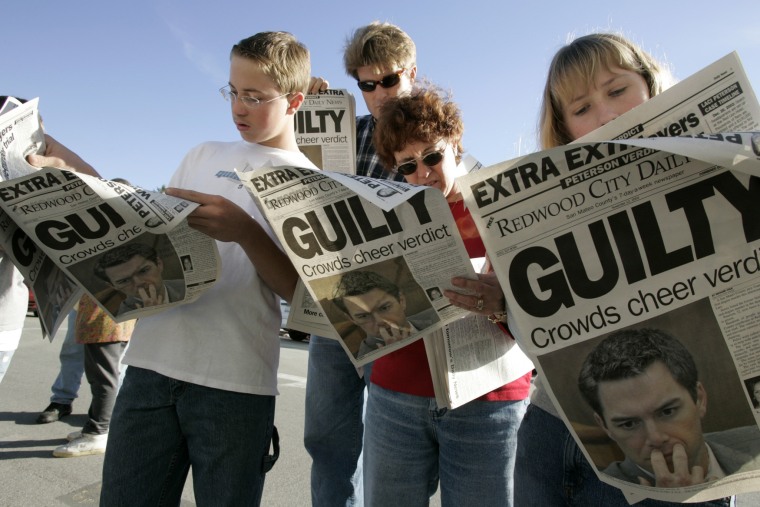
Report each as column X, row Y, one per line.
column 388, row 81
column 429, row 159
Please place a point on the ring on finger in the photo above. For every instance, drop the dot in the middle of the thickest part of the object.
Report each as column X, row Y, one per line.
column 479, row 305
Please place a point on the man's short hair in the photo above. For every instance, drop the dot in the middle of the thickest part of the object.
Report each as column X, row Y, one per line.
column 122, row 254
column 282, row 58
column 379, row 45
column 356, row 283
column 628, row 353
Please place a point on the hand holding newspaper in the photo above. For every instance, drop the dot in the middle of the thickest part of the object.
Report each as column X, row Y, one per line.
column 609, row 250
column 326, row 130
column 374, row 257
column 129, row 248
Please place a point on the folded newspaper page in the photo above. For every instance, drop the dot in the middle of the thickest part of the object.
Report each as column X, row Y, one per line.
column 333, row 228
column 55, row 293
column 471, row 357
column 21, row 134
column 129, row 248
column 306, row 314
column 326, row 130
column 10, row 103
column 394, row 248
column 607, row 248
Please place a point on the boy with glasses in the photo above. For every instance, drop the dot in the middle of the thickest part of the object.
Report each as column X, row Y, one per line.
column 202, row 378
column 382, row 59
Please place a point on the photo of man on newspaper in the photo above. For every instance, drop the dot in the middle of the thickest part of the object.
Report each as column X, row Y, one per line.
column 753, row 390
column 378, row 307
column 658, row 403
column 136, row 270
column 643, row 386
column 141, row 273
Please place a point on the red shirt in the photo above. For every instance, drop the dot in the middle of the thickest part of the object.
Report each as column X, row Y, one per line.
column 407, row 371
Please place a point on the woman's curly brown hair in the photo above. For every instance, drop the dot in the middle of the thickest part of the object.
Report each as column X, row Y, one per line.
column 425, row 115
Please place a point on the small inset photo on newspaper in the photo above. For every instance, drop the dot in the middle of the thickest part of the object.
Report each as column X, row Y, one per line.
column 664, row 391
column 375, row 307
column 753, row 393
column 187, row 263
column 138, row 274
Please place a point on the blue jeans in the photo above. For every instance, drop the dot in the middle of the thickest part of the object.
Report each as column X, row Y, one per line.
column 409, row 443
column 161, row 426
column 333, row 430
column 66, row 385
column 552, row 471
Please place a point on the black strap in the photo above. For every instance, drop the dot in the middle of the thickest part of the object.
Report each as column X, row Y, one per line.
column 271, row 459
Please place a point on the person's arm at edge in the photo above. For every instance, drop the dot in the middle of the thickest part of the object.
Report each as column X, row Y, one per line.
column 223, row 220
column 59, row 156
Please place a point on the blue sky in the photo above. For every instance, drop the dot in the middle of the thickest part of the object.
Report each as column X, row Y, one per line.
column 131, row 87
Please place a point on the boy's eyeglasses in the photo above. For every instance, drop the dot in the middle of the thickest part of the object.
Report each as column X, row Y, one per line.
column 249, row 102
column 388, row 81
column 429, row 159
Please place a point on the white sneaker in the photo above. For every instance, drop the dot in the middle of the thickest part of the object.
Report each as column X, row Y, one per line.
column 85, row 445
column 74, row 435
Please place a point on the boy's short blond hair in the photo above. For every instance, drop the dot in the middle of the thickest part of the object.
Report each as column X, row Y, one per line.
column 381, row 45
column 577, row 62
column 282, row 58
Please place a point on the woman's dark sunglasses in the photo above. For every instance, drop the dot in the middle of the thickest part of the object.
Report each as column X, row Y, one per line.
column 388, row 81
column 429, row 159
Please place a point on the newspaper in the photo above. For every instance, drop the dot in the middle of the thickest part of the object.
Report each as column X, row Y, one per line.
column 20, row 135
column 10, row 103
column 306, row 314
column 644, row 232
column 63, row 227
column 333, row 226
column 325, row 126
column 467, row 358
column 55, row 293
column 328, row 229
column 471, row 357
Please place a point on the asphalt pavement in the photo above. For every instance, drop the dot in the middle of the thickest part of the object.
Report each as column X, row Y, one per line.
column 31, row 476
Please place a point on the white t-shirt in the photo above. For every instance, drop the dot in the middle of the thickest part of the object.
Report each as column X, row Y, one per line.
column 14, row 300
column 228, row 338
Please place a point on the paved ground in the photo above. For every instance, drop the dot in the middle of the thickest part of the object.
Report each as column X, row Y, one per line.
column 31, row 476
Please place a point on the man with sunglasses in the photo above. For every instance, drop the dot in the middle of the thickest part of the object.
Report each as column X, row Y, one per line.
column 382, row 59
